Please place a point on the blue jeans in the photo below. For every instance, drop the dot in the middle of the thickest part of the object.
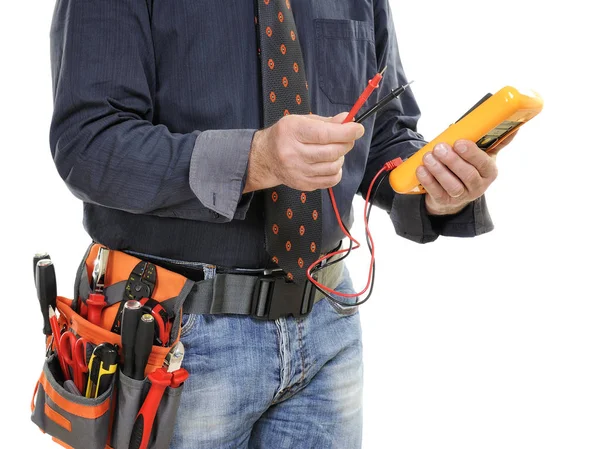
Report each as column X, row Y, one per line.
column 290, row 383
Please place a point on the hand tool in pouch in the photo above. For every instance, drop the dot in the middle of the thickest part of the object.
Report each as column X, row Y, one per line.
column 132, row 313
column 140, row 284
column 102, row 368
column 174, row 358
column 45, row 280
column 73, row 351
column 162, row 320
column 171, row 374
column 144, row 337
column 36, row 258
column 56, row 337
column 96, row 300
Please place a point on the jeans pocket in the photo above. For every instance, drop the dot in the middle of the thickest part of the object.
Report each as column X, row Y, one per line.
column 344, row 310
column 347, row 58
column 187, row 323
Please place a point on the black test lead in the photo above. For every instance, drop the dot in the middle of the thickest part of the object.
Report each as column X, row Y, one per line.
column 393, row 95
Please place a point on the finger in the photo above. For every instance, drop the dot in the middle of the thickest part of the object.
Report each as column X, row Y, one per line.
column 471, row 153
column 430, row 184
column 324, row 168
column 314, row 154
column 324, row 133
column 324, row 182
column 467, row 173
column 444, row 176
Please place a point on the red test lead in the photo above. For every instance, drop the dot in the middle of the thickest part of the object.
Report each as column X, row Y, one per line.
column 373, row 84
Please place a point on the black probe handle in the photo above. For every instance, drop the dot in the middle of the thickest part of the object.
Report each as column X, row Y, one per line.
column 45, row 282
column 131, row 318
column 393, row 95
column 143, row 345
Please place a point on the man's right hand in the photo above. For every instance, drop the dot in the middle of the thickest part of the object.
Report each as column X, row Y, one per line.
column 304, row 152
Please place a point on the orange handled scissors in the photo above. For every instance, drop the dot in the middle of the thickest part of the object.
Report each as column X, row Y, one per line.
column 74, row 351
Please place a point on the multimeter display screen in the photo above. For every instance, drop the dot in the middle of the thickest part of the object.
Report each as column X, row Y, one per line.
column 486, row 142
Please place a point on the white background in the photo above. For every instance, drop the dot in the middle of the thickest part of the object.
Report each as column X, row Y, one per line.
column 491, row 342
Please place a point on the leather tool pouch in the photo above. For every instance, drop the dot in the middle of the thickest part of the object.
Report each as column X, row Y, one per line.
column 106, row 422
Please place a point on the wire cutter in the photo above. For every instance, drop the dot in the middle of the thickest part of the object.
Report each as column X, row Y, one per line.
column 73, row 350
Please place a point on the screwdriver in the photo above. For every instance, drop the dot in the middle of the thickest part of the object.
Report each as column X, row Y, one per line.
column 36, row 258
column 143, row 345
column 131, row 316
column 45, row 283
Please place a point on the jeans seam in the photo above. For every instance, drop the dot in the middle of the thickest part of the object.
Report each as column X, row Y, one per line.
column 301, row 350
column 284, row 371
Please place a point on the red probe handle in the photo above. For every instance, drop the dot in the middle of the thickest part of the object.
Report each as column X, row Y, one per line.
column 95, row 304
column 373, row 84
column 142, row 427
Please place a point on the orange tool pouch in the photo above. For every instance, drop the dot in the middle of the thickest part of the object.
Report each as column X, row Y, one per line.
column 105, row 422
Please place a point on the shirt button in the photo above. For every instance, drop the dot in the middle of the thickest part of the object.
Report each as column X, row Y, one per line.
column 215, row 214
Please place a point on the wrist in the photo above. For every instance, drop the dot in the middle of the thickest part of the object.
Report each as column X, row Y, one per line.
column 259, row 174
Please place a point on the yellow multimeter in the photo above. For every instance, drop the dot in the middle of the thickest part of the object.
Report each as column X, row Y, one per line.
column 488, row 123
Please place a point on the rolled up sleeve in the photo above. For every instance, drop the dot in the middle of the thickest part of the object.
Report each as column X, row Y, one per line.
column 218, row 168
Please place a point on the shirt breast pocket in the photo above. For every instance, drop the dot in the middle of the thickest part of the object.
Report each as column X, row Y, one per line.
column 347, row 59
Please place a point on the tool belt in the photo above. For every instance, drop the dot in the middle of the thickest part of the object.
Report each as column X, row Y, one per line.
column 103, row 404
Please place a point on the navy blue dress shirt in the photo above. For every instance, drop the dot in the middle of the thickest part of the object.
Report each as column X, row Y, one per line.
column 156, row 103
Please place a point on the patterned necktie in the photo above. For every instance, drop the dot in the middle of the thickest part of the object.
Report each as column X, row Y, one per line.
column 292, row 217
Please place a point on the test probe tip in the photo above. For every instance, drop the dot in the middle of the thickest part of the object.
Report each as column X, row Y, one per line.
column 383, row 71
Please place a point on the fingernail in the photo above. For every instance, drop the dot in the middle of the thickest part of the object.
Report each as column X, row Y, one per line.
column 460, row 147
column 441, row 149
column 360, row 131
column 429, row 159
column 421, row 172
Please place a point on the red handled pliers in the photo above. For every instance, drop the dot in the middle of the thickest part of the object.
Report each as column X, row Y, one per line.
column 160, row 379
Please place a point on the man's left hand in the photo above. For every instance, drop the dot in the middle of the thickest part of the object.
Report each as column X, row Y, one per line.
column 454, row 177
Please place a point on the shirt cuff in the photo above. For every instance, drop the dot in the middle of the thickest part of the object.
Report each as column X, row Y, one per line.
column 411, row 220
column 473, row 220
column 218, row 170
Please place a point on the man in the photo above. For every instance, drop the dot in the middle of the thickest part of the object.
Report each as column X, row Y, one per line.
column 185, row 126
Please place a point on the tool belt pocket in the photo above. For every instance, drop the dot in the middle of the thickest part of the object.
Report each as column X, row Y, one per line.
column 72, row 420
column 131, row 395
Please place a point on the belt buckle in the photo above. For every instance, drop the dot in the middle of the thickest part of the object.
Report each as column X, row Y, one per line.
column 275, row 297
